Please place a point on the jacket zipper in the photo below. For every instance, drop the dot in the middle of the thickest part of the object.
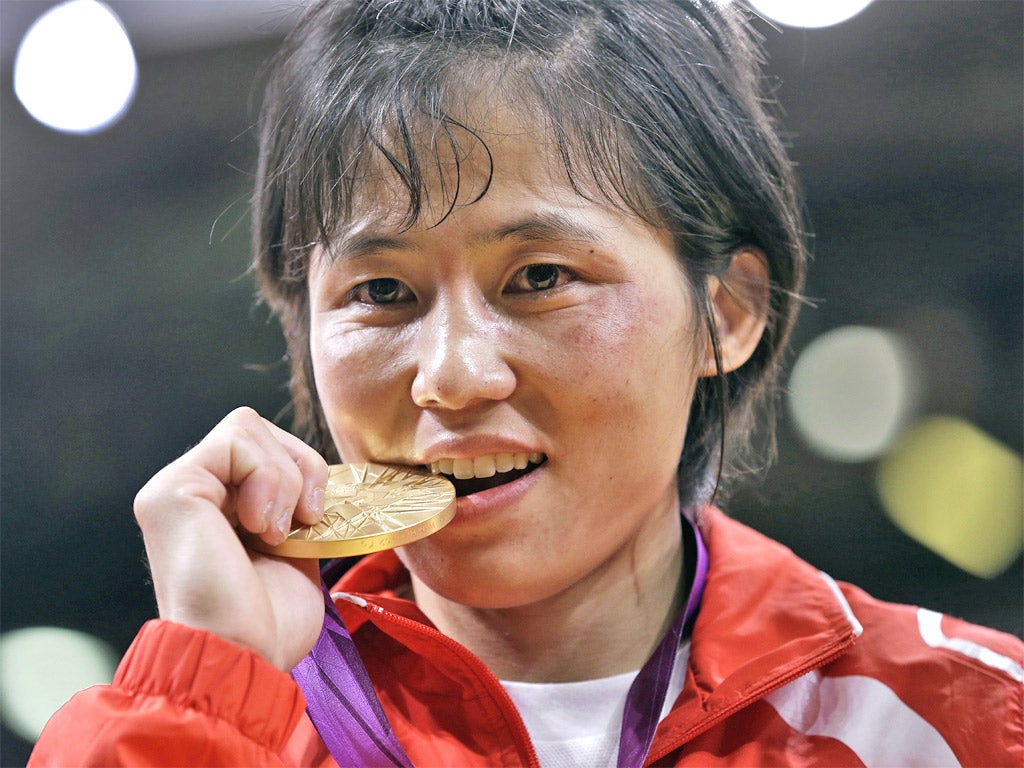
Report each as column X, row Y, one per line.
column 483, row 672
column 826, row 657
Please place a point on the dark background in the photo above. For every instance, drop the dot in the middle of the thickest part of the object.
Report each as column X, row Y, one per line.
column 129, row 326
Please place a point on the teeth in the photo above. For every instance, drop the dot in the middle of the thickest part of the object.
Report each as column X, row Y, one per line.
column 485, row 466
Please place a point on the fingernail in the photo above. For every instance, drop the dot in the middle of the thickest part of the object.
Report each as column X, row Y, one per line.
column 317, row 502
column 283, row 524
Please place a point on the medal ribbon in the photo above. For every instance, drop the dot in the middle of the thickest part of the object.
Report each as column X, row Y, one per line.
column 341, row 702
column 349, row 717
column 647, row 694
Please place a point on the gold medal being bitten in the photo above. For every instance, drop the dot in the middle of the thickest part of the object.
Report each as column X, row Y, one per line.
column 367, row 508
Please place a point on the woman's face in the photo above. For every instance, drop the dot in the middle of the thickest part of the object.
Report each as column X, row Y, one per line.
column 529, row 326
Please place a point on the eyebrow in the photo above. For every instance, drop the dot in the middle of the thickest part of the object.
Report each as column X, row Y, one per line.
column 545, row 226
column 364, row 244
column 536, row 227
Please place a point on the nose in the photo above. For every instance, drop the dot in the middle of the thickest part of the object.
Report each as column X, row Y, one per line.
column 460, row 360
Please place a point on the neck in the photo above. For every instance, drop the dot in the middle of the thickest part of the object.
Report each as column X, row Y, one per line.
column 607, row 623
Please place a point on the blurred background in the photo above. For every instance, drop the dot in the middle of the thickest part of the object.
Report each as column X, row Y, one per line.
column 129, row 324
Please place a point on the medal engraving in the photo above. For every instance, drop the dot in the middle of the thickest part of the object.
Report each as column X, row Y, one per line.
column 367, row 508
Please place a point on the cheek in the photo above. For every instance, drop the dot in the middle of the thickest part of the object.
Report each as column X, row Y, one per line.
column 629, row 346
column 343, row 371
column 628, row 385
column 357, row 380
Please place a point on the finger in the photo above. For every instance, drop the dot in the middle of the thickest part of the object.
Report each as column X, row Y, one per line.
column 314, row 471
column 243, row 452
column 306, row 468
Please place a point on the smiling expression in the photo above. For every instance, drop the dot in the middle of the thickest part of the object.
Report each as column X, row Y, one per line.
column 540, row 348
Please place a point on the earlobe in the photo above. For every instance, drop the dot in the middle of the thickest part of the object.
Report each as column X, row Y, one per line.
column 739, row 302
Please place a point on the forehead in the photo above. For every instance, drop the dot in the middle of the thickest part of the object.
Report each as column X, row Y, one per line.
column 422, row 167
column 438, row 164
column 522, row 194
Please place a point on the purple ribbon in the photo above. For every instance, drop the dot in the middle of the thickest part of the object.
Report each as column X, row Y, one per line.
column 341, row 701
column 349, row 717
column 647, row 694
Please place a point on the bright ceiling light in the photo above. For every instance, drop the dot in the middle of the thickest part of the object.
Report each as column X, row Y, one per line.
column 75, row 70
column 809, row 13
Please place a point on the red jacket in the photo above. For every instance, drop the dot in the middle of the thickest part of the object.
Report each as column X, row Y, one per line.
column 786, row 668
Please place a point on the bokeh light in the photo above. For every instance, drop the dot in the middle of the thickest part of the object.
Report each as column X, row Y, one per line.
column 852, row 390
column 75, row 70
column 41, row 668
column 957, row 491
column 810, row 13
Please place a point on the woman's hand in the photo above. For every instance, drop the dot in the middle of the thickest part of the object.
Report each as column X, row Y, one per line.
column 246, row 472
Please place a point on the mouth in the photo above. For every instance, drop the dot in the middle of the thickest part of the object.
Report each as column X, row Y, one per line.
column 484, row 472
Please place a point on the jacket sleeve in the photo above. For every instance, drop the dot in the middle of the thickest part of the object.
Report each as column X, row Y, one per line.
column 180, row 696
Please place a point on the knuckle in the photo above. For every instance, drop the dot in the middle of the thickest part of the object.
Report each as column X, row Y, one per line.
column 144, row 501
column 243, row 413
column 151, row 497
column 232, row 430
column 238, row 423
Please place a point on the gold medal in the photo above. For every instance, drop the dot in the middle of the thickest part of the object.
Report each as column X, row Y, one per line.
column 367, row 508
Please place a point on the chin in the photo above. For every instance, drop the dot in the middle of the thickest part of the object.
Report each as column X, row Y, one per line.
column 483, row 582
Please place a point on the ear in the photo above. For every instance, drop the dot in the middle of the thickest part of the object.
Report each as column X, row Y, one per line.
column 739, row 301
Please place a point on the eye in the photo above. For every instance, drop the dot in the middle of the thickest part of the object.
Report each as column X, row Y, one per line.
column 538, row 277
column 382, row 290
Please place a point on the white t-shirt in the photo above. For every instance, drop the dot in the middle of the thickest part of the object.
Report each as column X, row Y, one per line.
column 577, row 725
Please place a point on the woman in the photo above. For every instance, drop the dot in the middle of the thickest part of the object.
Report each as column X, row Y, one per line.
column 564, row 231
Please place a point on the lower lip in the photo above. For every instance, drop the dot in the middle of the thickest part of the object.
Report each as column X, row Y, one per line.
column 487, row 504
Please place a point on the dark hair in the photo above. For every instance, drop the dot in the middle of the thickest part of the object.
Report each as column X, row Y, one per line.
column 654, row 105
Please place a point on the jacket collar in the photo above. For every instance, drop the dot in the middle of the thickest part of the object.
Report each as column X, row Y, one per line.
column 766, row 618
